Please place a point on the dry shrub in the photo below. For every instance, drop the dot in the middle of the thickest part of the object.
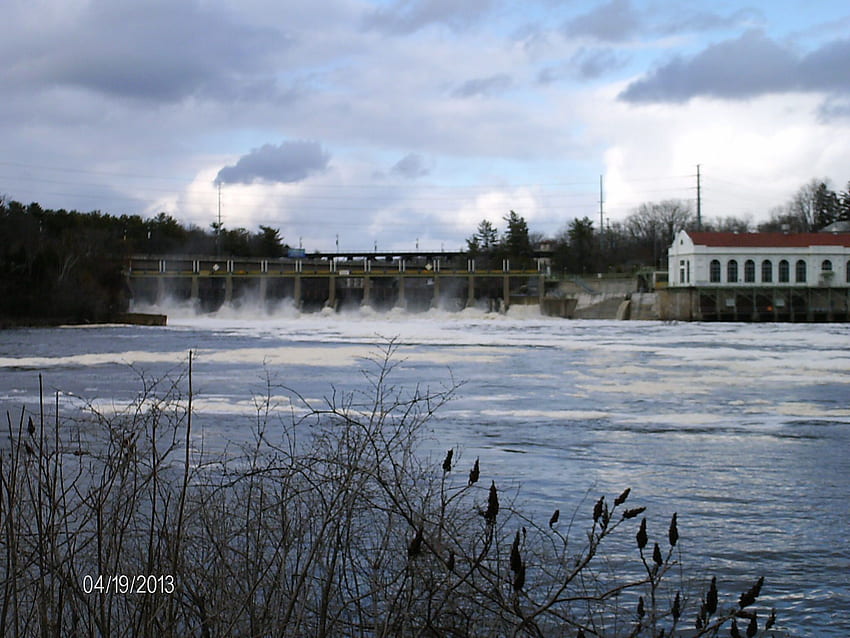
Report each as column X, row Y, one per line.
column 329, row 524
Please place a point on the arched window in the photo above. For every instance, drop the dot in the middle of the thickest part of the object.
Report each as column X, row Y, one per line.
column 826, row 266
column 784, row 272
column 732, row 271
column 749, row 271
column 714, row 271
column 801, row 271
column 767, row 271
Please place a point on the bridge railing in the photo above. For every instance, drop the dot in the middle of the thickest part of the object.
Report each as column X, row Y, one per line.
column 211, row 267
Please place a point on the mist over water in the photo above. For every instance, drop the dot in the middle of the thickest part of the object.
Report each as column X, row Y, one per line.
column 743, row 429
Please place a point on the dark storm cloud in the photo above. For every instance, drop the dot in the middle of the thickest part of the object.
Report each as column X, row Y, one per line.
column 407, row 16
column 411, row 166
column 745, row 67
column 289, row 162
column 162, row 50
column 483, row 86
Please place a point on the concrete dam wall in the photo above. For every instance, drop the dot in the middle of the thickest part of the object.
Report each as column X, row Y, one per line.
column 416, row 285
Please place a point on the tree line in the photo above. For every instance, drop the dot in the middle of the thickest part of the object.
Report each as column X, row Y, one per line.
column 65, row 266
column 643, row 237
column 60, row 265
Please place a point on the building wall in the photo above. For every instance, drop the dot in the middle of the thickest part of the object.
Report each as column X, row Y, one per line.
column 691, row 265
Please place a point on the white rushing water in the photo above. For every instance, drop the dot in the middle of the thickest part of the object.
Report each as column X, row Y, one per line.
column 743, row 429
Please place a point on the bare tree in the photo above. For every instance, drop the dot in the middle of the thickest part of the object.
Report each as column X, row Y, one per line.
column 655, row 225
column 729, row 225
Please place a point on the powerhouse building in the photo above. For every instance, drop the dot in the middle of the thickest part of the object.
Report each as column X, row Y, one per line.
column 803, row 260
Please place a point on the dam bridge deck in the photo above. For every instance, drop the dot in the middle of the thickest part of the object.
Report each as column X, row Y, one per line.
column 415, row 282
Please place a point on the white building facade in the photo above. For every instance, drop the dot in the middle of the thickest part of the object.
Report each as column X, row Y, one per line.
column 794, row 260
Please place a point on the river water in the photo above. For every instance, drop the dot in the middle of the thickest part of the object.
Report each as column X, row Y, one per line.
column 742, row 429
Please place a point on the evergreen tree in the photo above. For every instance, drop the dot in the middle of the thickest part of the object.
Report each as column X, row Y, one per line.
column 516, row 241
column 844, row 205
column 268, row 242
column 582, row 245
column 827, row 206
column 485, row 239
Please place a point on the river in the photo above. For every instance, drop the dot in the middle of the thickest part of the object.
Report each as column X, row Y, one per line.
column 742, row 429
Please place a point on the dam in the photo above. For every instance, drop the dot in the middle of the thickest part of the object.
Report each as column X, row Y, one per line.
column 415, row 282
column 418, row 282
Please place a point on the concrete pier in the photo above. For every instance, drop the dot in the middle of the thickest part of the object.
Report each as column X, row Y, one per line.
column 400, row 302
column 331, row 302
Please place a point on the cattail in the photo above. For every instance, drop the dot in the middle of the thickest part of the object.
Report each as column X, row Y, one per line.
column 771, row 620
column 492, row 504
column 555, row 516
column 622, row 497
column 30, row 426
column 657, row 558
column 676, row 612
column 673, row 533
column 753, row 627
column 749, row 597
column 516, row 564
column 447, row 462
column 516, row 559
column 711, row 597
column 641, row 536
column 519, row 577
column 415, row 547
column 450, row 564
column 640, row 608
column 474, row 473
column 597, row 509
column 733, row 631
column 633, row 513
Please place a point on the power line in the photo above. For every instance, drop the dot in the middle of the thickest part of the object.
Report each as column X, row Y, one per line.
column 555, row 200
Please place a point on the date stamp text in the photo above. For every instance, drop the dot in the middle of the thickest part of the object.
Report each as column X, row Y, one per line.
column 129, row 584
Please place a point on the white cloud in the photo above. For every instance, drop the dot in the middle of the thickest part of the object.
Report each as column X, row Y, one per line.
column 754, row 155
column 384, row 101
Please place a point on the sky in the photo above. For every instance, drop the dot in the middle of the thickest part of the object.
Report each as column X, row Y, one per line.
column 397, row 124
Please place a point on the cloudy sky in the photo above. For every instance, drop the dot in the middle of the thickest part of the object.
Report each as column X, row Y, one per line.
column 392, row 122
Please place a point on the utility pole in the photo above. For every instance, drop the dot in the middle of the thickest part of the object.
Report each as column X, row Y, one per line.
column 218, row 226
column 601, row 221
column 699, row 202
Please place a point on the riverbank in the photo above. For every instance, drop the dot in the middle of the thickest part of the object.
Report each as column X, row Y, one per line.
column 128, row 318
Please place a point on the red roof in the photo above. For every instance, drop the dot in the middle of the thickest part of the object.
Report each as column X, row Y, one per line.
column 769, row 240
